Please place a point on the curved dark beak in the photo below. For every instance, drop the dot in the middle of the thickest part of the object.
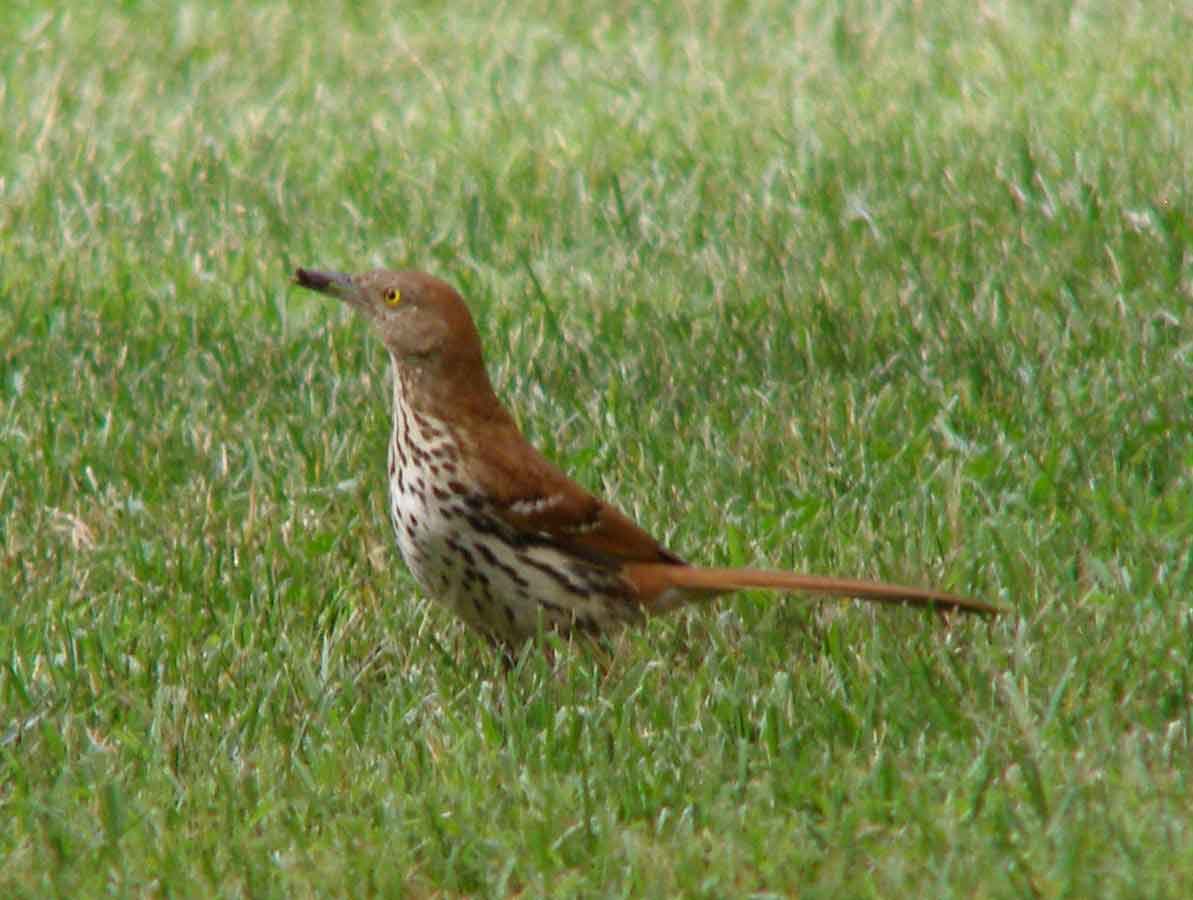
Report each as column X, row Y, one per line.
column 337, row 284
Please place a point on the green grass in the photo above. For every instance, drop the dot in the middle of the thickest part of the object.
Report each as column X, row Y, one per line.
column 879, row 289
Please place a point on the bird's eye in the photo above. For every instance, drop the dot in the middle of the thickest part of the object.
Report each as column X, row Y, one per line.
column 393, row 296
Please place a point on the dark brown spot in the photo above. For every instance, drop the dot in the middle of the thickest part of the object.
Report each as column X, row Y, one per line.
column 553, row 573
column 513, row 574
column 587, row 624
column 428, row 430
column 463, row 551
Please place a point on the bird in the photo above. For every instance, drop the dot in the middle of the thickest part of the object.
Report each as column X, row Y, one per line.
column 493, row 530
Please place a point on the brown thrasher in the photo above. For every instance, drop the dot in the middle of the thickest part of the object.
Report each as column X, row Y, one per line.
column 494, row 531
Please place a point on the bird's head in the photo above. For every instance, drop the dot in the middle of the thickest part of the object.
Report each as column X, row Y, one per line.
column 423, row 321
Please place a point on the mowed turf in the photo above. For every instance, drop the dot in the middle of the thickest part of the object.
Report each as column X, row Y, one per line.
column 891, row 290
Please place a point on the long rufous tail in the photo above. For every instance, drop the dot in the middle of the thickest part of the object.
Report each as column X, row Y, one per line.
column 662, row 588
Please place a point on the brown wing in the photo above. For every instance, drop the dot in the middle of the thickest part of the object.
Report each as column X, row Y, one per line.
column 534, row 496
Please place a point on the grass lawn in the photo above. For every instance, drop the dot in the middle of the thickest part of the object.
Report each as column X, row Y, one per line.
column 889, row 289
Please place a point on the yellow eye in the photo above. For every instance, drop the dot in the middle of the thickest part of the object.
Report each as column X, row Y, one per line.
column 393, row 296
